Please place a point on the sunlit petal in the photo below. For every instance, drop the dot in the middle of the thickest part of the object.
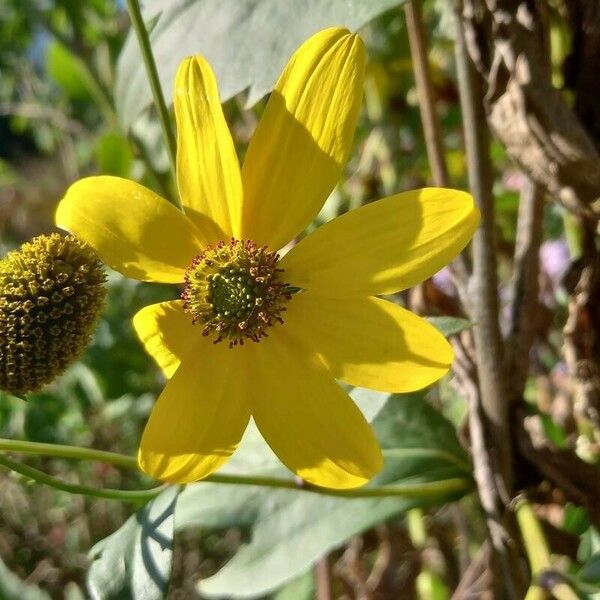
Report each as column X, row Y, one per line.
column 303, row 139
column 370, row 342
column 167, row 334
column 307, row 419
column 133, row 230
column 386, row 246
column 208, row 172
column 199, row 418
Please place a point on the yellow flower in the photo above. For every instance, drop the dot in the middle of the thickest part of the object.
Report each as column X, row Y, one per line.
column 307, row 319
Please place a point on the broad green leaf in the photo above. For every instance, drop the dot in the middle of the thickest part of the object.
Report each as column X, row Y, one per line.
column 13, row 588
column 291, row 529
column 135, row 561
column 450, row 326
column 247, row 42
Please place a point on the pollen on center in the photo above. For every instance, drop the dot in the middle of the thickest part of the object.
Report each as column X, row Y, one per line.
column 234, row 289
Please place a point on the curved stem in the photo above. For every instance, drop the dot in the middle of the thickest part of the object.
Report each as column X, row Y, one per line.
column 419, row 490
column 73, row 452
column 72, row 488
column 141, row 33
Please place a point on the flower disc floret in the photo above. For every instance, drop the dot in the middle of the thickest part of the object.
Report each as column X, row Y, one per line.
column 234, row 289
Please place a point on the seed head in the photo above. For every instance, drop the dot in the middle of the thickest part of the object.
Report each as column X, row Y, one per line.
column 51, row 296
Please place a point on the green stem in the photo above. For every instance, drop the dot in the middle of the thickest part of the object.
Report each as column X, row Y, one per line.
column 72, row 488
column 534, row 539
column 538, row 555
column 163, row 114
column 422, row 490
column 73, row 452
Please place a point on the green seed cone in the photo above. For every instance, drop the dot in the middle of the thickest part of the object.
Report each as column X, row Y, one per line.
column 51, row 296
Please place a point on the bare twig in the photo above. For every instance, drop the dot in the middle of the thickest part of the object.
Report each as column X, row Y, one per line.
column 491, row 497
column 434, row 145
column 431, row 126
column 486, row 386
column 475, row 582
column 524, row 297
column 323, row 579
column 484, row 283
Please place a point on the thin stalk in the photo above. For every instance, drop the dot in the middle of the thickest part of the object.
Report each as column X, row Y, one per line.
column 534, row 539
column 425, row 92
column 488, row 394
column 448, row 486
column 406, row 491
column 488, row 339
column 434, row 144
column 524, row 297
column 538, row 555
column 70, row 452
column 72, row 488
column 141, row 33
column 323, row 581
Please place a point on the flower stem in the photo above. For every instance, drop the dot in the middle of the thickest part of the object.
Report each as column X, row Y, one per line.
column 422, row 490
column 41, row 477
column 141, row 33
column 73, row 452
column 419, row 490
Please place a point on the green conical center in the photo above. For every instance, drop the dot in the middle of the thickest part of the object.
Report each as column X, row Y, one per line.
column 235, row 290
column 51, row 295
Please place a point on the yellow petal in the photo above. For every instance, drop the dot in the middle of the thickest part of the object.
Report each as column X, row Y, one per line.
column 370, row 342
column 308, row 420
column 133, row 230
column 167, row 333
column 386, row 246
column 208, row 172
column 303, row 139
column 199, row 418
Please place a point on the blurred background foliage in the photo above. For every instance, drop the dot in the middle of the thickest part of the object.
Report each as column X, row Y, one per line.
column 66, row 70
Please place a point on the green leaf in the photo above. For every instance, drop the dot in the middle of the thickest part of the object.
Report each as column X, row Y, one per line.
column 13, row 588
column 576, row 520
column 291, row 529
column 589, row 545
column 450, row 326
column 247, row 42
column 113, row 154
column 135, row 561
column 590, row 572
column 301, row 588
column 64, row 68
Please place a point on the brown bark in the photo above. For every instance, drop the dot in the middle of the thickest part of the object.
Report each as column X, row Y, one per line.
column 507, row 40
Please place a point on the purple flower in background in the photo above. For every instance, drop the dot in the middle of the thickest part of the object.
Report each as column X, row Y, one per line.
column 513, row 180
column 555, row 258
column 443, row 282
